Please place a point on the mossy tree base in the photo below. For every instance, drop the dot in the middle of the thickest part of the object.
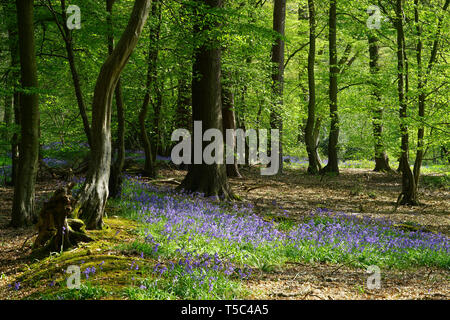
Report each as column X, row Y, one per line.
column 56, row 232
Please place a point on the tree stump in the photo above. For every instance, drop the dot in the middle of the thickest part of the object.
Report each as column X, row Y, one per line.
column 56, row 231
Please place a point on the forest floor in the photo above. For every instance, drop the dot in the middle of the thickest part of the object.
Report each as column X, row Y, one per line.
column 360, row 192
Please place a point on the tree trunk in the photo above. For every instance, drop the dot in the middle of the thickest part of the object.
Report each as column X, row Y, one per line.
column 314, row 166
column 23, row 211
column 276, row 121
column 421, row 82
column 149, row 165
column 229, row 122
column 67, row 37
column 184, row 101
column 381, row 158
column 9, row 9
column 316, row 139
column 155, row 32
column 210, row 179
column 55, row 230
column 95, row 191
column 332, row 165
column 116, row 178
column 408, row 195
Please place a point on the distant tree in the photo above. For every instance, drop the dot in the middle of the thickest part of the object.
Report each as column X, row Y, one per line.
column 67, row 36
column 276, row 121
column 151, row 87
column 381, row 158
column 408, row 195
column 13, row 100
column 332, row 165
column 422, row 79
column 229, row 122
column 310, row 139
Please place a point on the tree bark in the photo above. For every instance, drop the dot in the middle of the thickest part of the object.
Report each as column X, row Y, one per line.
column 316, row 139
column 276, row 121
column 381, row 158
column 314, row 166
column 9, row 9
column 209, row 179
column 184, row 101
column 23, row 211
column 332, row 165
column 67, row 37
column 116, row 178
column 408, row 195
column 229, row 122
column 155, row 32
column 422, row 81
column 150, row 155
column 95, row 191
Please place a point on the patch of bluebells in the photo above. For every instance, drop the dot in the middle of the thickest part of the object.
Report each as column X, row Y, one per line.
column 79, row 181
column 5, row 174
column 88, row 271
column 16, row 286
column 54, row 163
column 191, row 213
column 58, row 146
column 353, row 234
column 182, row 214
column 162, row 158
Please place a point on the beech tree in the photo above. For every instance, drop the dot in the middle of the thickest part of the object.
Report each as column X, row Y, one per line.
column 310, row 138
column 210, row 179
column 94, row 193
column 115, row 180
column 381, row 158
column 332, row 165
column 409, row 192
column 276, row 121
column 23, row 211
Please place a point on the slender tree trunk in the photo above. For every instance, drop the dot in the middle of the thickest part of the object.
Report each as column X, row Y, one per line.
column 151, row 83
column 229, row 122
column 314, row 166
column 9, row 9
column 421, row 82
column 381, row 158
column 184, row 101
column 8, row 113
column 23, row 211
column 408, row 195
column 95, row 191
column 67, row 37
column 276, row 121
column 157, row 106
column 332, row 165
column 316, row 139
column 210, row 179
column 157, row 85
